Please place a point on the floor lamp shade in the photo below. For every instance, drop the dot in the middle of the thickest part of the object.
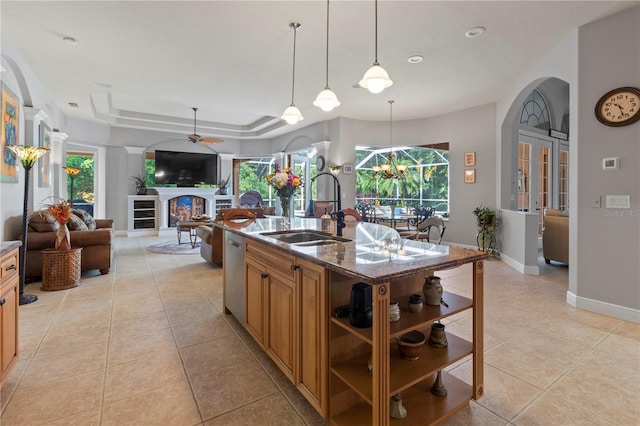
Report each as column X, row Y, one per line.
column 28, row 155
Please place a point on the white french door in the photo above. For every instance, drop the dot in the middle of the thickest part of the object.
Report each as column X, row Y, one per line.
column 535, row 175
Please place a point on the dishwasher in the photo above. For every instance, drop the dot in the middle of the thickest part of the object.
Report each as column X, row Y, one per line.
column 234, row 274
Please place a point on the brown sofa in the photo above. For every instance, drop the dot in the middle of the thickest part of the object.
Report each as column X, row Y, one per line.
column 211, row 237
column 96, row 245
column 555, row 236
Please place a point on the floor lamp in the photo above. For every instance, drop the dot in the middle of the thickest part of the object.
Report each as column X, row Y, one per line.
column 72, row 172
column 28, row 155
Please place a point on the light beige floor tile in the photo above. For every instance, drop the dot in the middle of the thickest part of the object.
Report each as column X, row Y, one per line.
column 142, row 324
column 54, row 400
column 172, row 404
column 222, row 390
column 475, row 415
column 271, row 410
column 87, row 418
column 629, row 330
column 201, row 331
column 133, row 346
column 504, row 395
column 58, row 365
column 309, row 415
column 142, row 375
column 213, row 355
column 66, row 339
column 536, row 357
column 550, row 410
column 187, row 314
column 11, row 383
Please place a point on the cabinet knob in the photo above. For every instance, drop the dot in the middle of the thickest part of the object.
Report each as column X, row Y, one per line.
column 263, row 275
column 3, row 301
column 11, row 268
column 295, row 267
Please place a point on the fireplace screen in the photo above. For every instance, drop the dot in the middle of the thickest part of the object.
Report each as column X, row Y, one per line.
column 182, row 208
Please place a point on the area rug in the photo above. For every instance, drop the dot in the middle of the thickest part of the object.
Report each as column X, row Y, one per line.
column 172, row 247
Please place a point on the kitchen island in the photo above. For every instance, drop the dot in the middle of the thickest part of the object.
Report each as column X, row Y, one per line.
column 295, row 277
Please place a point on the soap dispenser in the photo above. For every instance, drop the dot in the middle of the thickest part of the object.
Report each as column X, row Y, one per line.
column 326, row 221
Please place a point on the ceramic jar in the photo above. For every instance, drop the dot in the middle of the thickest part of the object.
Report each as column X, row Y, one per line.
column 396, row 409
column 415, row 303
column 438, row 338
column 394, row 311
column 432, row 290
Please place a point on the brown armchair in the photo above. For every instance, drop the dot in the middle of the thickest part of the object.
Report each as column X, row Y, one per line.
column 555, row 237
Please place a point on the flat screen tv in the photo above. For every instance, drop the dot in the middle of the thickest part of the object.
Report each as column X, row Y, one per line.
column 186, row 169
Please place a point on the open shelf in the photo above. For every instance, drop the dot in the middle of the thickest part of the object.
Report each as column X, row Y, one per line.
column 404, row 373
column 423, row 407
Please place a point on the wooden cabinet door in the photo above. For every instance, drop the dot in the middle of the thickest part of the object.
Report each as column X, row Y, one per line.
column 313, row 383
column 282, row 322
column 9, row 318
column 255, row 277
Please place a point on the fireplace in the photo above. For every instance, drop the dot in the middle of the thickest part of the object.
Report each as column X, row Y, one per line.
column 184, row 207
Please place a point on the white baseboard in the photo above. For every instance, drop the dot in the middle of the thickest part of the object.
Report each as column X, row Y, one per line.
column 520, row 267
column 604, row 308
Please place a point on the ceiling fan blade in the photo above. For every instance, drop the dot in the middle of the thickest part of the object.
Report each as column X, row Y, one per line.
column 210, row 141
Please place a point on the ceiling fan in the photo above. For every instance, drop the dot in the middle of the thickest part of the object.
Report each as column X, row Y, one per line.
column 196, row 138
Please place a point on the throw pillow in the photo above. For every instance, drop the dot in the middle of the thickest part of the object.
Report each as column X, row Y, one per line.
column 76, row 224
column 86, row 218
column 43, row 222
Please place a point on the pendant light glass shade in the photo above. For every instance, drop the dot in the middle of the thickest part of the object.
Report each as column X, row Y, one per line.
column 292, row 114
column 327, row 100
column 376, row 79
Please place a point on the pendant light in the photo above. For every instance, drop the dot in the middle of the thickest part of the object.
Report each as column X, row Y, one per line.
column 292, row 114
column 390, row 170
column 376, row 78
column 326, row 99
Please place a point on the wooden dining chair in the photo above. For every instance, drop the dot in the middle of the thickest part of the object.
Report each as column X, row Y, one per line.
column 351, row 215
column 431, row 228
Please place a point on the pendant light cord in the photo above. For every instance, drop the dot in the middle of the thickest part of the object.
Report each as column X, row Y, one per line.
column 391, row 127
column 295, row 26
column 327, row 61
column 376, row 53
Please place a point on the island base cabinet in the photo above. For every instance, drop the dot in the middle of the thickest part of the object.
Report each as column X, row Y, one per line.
column 282, row 338
column 255, row 275
column 313, row 378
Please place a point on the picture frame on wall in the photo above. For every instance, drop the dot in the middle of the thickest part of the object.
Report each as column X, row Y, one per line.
column 347, row 169
column 9, row 127
column 469, row 159
column 470, row 176
column 44, row 169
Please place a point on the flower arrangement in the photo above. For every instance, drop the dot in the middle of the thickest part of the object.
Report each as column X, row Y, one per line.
column 59, row 209
column 284, row 181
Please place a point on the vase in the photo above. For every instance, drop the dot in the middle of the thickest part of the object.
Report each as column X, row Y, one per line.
column 438, row 387
column 287, row 212
column 396, row 409
column 432, row 290
column 63, row 240
column 438, row 338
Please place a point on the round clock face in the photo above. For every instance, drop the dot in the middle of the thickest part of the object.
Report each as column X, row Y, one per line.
column 619, row 107
column 320, row 163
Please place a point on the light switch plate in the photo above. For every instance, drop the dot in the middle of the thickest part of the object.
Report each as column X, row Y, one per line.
column 610, row 163
column 618, row 201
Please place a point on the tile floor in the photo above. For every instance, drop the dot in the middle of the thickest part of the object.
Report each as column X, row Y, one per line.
column 147, row 344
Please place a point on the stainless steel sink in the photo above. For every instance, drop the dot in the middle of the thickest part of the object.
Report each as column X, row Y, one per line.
column 295, row 237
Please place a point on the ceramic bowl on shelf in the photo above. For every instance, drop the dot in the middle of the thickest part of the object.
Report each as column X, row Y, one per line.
column 410, row 344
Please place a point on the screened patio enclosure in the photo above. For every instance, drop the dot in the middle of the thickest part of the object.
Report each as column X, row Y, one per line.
column 425, row 182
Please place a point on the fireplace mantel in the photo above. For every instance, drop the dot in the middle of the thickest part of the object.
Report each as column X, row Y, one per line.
column 209, row 194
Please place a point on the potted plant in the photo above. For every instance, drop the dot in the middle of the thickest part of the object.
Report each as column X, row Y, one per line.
column 487, row 222
column 141, row 182
column 223, row 184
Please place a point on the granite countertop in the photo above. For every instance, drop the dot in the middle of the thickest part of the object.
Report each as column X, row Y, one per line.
column 7, row 246
column 375, row 253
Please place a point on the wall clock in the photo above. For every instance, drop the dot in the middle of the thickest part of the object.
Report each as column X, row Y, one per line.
column 619, row 107
column 320, row 163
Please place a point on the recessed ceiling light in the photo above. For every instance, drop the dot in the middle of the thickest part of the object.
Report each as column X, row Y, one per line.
column 475, row 32
column 414, row 59
column 70, row 41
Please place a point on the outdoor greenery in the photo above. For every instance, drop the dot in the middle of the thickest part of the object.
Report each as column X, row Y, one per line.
column 83, row 183
column 426, row 180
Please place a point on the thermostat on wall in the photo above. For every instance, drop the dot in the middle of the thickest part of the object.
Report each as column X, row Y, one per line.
column 610, row 163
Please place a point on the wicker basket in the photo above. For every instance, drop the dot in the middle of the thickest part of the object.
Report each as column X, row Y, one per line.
column 60, row 269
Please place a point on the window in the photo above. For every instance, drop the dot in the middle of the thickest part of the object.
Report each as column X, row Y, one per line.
column 83, row 182
column 252, row 177
column 426, row 180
